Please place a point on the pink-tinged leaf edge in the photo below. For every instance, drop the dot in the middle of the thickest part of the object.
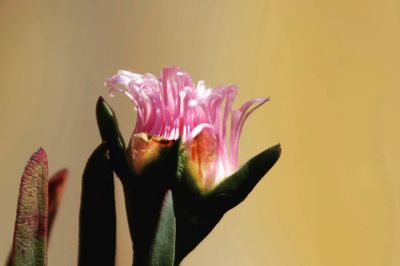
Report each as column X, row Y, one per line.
column 30, row 234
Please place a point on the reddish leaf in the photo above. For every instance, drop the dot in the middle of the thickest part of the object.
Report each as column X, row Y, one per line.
column 30, row 235
column 56, row 190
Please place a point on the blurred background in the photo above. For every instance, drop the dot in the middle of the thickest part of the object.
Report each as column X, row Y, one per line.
column 330, row 67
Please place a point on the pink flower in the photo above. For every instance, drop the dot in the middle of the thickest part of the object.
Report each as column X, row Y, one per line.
column 172, row 107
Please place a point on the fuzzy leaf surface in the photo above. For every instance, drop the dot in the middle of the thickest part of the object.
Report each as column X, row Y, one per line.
column 30, row 235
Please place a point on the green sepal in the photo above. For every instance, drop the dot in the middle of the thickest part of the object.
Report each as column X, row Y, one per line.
column 198, row 212
column 162, row 252
column 144, row 191
column 110, row 134
column 97, row 221
column 194, row 221
column 144, row 198
column 235, row 188
column 185, row 184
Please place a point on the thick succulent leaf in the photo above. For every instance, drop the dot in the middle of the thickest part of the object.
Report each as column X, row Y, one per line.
column 56, row 186
column 97, row 228
column 30, row 236
column 197, row 214
column 56, row 190
column 145, row 189
column 236, row 187
column 144, row 196
column 163, row 247
column 110, row 134
column 193, row 224
column 107, row 122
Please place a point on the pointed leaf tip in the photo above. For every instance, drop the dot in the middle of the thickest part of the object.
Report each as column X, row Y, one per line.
column 106, row 121
column 163, row 247
column 110, row 134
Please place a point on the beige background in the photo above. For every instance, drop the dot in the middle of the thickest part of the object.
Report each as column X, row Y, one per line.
column 330, row 67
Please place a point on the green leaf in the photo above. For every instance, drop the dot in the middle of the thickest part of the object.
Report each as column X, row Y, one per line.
column 193, row 224
column 110, row 134
column 163, row 248
column 144, row 197
column 197, row 214
column 107, row 122
column 30, row 236
column 97, row 221
column 236, row 187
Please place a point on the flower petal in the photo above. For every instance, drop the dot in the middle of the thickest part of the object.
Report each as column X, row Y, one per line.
column 237, row 120
column 172, row 107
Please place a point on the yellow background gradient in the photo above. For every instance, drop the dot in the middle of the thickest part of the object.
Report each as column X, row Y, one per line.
column 330, row 67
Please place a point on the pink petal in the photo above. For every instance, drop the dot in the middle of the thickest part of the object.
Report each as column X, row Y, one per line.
column 238, row 118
